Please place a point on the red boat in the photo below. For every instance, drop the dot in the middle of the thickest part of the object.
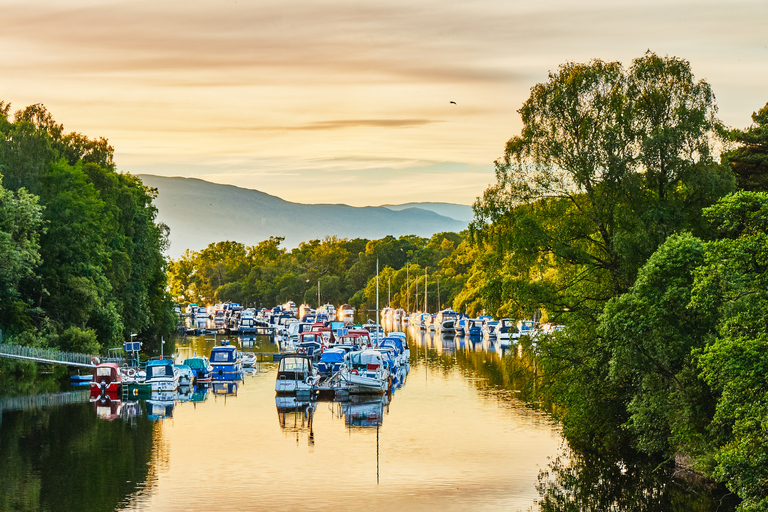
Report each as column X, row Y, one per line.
column 106, row 379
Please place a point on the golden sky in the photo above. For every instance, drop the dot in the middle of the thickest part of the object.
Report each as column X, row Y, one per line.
column 345, row 101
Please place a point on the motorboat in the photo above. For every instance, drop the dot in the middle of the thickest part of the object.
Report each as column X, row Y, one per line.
column 201, row 367
column 365, row 373
column 162, row 375
column 247, row 325
column 186, row 375
column 226, row 361
column 295, row 374
column 524, row 328
column 346, row 314
column 446, row 320
column 504, row 329
column 331, row 361
column 291, row 307
column 489, row 328
column 106, row 379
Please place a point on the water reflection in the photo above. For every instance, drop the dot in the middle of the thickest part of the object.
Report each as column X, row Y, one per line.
column 466, row 433
column 578, row 482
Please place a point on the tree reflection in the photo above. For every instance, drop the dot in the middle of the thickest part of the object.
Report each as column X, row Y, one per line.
column 65, row 458
column 588, row 482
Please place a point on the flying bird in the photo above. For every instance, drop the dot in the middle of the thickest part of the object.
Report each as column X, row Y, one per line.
column 453, row 102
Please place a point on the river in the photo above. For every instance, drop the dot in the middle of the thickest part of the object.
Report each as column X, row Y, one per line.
column 458, row 435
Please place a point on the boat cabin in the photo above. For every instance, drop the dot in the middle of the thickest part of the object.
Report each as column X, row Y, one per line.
column 106, row 379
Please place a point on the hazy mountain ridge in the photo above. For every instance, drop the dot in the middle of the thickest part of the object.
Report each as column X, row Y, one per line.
column 199, row 213
column 460, row 212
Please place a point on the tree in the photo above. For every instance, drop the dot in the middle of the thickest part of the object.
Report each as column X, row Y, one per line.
column 749, row 161
column 733, row 282
column 654, row 338
column 21, row 221
column 609, row 163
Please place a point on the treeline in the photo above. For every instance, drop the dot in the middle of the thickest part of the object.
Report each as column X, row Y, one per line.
column 344, row 270
column 81, row 263
column 612, row 213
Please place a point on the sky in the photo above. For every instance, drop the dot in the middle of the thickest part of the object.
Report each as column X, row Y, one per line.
column 349, row 102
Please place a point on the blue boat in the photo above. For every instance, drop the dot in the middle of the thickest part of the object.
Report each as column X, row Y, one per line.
column 226, row 361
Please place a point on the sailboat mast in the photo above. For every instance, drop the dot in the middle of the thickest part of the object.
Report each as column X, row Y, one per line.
column 407, row 289
column 426, row 309
column 377, row 298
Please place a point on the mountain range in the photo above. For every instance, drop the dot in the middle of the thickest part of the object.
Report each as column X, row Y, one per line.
column 200, row 213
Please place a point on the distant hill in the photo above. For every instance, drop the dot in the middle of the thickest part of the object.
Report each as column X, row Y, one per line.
column 199, row 213
column 459, row 212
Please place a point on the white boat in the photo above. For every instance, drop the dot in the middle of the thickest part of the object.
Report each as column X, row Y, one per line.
column 489, row 328
column 504, row 330
column 295, row 374
column 162, row 375
column 365, row 373
column 202, row 312
column 524, row 328
column 329, row 310
column 346, row 314
column 446, row 320
column 290, row 306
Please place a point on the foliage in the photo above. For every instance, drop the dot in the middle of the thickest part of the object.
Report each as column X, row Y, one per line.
column 20, row 228
column 749, row 161
column 80, row 238
column 344, row 270
column 654, row 336
column 609, row 163
column 734, row 281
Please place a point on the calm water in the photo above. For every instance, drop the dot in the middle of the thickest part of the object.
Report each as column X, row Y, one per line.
column 450, row 439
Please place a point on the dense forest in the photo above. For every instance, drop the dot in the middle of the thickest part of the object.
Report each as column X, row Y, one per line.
column 81, row 256
column 624, row 210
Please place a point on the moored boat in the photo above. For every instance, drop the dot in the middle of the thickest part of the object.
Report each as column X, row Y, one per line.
column 106, row 379
column 226, row 361
column 295, row 374
column 346, row 314
column 162, row 375
column 201, row 367
column 365, row 373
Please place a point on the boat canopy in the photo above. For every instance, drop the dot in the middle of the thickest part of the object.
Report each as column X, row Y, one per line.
column 366, row 357
column 197, row 363
column 393, row 342
column 159, row 369
column 333, row 355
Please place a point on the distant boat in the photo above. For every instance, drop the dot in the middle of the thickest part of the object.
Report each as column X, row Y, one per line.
column 346, row 314
column 201, row 367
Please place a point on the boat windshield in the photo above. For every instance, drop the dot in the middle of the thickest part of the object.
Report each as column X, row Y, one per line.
column 221, row 356
column 158, row 371
column 104, row 371
column 294, row 364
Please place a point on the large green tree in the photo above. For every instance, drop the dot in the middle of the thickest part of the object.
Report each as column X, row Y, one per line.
column 610, row 161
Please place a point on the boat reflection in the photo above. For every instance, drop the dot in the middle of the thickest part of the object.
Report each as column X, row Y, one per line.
column 224, row 388
column 364, row 412
column 160, row 405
